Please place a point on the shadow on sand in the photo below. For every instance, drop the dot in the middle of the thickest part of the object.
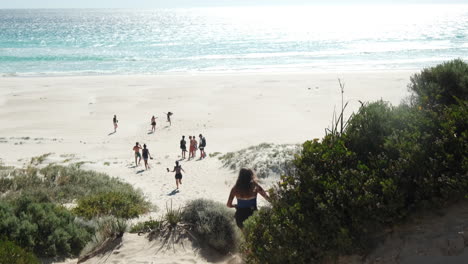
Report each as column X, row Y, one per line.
column 111, row 133
column 140, row 171
column 174, row 192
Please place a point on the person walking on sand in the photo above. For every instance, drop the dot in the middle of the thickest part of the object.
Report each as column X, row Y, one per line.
column 115, row 121
column 202, row 146
column 146, row 155
column 178, row 176
column 136, row 149
column 169, row 114
column 183, row 146
column 245, row 191
column 153, row 124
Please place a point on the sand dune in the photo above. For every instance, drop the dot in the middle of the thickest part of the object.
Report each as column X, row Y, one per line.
column 72, row 118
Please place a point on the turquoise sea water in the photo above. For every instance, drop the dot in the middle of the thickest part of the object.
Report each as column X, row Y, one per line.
column 287, row 38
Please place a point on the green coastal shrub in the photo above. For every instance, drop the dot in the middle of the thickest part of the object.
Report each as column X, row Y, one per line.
column 44, row 228
column 213, row 224
column 13, row 254
column 119, row 204
column 146, row 226
column 389, row 162
column 61, row 184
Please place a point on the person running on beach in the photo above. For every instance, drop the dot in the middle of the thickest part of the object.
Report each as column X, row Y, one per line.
column 169, row 114
column 178, row 176
column 183, row 146
column 245, row 191
column 153, row 124
column 136, row 149
column 146, row 154
column 115, row 121
column 202, row 146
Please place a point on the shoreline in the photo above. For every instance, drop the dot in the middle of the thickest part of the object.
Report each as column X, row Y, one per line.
column 213, row 73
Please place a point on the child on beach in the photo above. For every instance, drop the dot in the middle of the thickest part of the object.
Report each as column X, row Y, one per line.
column 115, row 121
column 178, row 176
column 183, row 146
column 245, row 190
column 153, row 124
column 146, row 154
column 136, row 149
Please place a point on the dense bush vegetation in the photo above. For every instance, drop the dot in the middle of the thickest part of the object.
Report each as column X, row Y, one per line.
column 31, row 217
column 12, row 254
column 44, row 228
column 59, row 183
column 119, row 204
column 213, row 224
column 388, row 162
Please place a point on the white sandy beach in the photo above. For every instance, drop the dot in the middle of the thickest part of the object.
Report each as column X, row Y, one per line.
column 71, row 117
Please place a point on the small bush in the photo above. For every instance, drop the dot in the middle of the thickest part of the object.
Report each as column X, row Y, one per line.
column 265, row 159
column 212, row 223
column 12, row 254
column 146, row 226
column 44, row 228
column 119, row 204
column 441, row 85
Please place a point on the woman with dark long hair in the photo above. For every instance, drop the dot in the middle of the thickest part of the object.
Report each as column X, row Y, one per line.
column 245, row 191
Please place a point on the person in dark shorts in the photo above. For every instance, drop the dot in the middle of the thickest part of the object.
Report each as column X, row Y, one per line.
column 245, row 191
column 169, row 114
column 202, row 146
column 153, row 124
column 183, row 146
column 178, row 176
column 136, row 149
column 115, row 121
column 146, row 154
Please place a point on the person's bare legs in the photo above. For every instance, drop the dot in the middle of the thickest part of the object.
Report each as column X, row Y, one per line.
column 177, row 183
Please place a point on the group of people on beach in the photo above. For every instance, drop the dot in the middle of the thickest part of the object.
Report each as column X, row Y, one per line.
column 194, row 146
column 153, row 121
column 245, row 190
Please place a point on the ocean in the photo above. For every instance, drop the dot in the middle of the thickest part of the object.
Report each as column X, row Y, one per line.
column 49, row 42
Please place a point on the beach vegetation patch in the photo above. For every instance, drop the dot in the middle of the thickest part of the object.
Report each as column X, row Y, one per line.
column 387, row 163
column 146, row 226
column 46, row 229
column 109, row 232
column 212, row 224
column 266, row 159
column 119, row 204
column 62, row 184
column 10, row 253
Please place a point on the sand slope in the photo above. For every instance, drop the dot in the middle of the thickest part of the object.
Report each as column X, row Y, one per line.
column 72, row 118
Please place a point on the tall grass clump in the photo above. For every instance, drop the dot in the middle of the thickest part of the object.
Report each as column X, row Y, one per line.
column 109, row 230
column 212, row 224
column 387, row 162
